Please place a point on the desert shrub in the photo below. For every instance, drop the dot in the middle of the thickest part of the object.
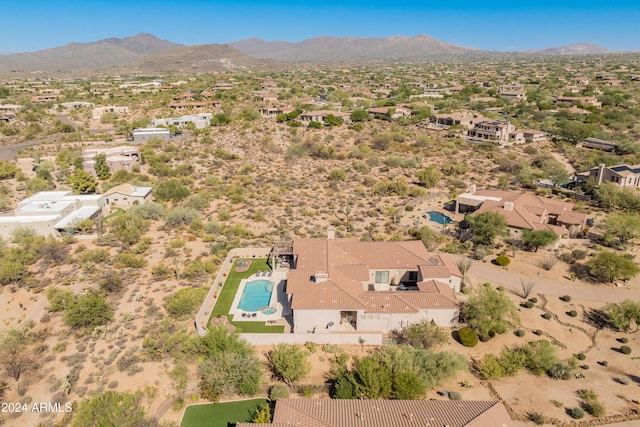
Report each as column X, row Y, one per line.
column 625, row 349
column 528, row 304
column 519, row 333
column 587, row 394
column 59, row 298
column 467, row 337
column 184, row 302
column 537, row 418
column 623, row 340
column 560, row 371
column 148, row 210
column 547, row 316
column 534, row 300
column 579, row 254
column 503, row 260
column 538, row 332
column 130, row 260
column 161, row 271
column 455, row 395
column 540, row 356
column 585, row 367
column 576, row 413
column 181, row 216
column 573, row 313
column 595, row 408
column 278, row 391
column 565, row 298
column 95, row 256
column 604, row 363
column 581, row 356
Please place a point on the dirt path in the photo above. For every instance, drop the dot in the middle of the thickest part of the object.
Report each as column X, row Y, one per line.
column 480, row 272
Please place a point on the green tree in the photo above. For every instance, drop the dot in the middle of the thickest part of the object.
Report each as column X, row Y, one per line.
column 59, row 298
column 289, row 363
column 184, row 302
column 424, row 334
column 82, row 182
column 623, row 226
column 88, row 310
column 428, row 177
column 331, row 120
column 407, row 386
column 112, row 408
column 489, row 311
column 171, row 189
column 7, row 170
column 228, row 365
column 486, row 226
column 539, row 238
column 220, row 119
column 15, row 354
column 607, row 266
column 373, row 379
column 625, row 315
column 128, row 228
column 359, row 115
column 262, row 415
column 101, row 167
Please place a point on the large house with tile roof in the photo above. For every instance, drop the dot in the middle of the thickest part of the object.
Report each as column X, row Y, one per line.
column 621, row 175
column 523, row 211
column 386, row 413
column 337, row 285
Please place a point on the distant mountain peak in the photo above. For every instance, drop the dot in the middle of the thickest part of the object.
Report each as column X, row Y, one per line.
column 583, row 48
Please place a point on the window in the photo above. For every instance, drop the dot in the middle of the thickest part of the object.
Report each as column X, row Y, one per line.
column 413, row 276
column 382, row 277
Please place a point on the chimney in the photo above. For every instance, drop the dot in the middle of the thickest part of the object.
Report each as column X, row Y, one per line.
column 320, row 276
column 508, row 206
column 472, row 189
column 600, row 173
column 331, row 232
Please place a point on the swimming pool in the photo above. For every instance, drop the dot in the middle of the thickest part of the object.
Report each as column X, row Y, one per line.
column 437, row 217
column 256, row 295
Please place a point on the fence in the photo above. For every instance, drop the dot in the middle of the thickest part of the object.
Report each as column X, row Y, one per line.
column 207, row 306
column 295, row 338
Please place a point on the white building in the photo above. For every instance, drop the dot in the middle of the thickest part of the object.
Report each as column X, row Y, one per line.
column 201, row 121
column 145, row 134
column 337, row 285
column 52, row 212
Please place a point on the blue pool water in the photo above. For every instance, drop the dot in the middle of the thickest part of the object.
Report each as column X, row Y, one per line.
column 255, row 295
column 439, row 218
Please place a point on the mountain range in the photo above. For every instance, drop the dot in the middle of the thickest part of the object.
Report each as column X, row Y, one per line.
column 148, row 53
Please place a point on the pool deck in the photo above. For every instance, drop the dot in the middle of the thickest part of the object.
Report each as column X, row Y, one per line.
column 278, row 300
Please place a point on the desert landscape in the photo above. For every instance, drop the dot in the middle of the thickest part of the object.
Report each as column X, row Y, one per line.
column 102, row 309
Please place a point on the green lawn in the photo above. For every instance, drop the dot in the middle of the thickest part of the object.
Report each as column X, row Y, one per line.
column 220, row 414
column 225, row 299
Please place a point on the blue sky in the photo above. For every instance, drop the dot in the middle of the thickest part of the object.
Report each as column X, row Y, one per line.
column 31, row 25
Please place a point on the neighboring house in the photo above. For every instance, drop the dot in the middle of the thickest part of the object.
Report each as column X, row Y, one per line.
column 319, row 116
column 121, row 157
column 10, row 108
column 523, row 211
column 343, row 284
column 145, row 134
column 98, row 112
column 390, row 112
column 466, row 119
column 597, row 144
column 77, row 105
column 513, row 95
column 199, row 105
column 200, row 121
column 533, row 135
column 43, row 98
column 273, row 111
column 52, row 212
column 127, row 195
column 387, row 413
column 496, row 130
column 622, row 175
column 576, row 100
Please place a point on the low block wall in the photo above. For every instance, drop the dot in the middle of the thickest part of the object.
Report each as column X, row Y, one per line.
column 334, row 339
